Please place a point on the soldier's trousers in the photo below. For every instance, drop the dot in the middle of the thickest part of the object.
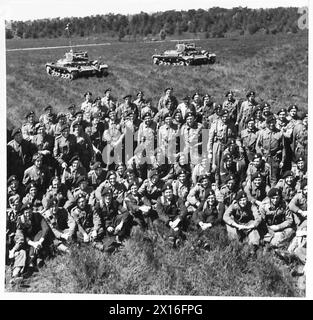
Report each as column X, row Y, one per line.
column 252, row 236
column 279, row 238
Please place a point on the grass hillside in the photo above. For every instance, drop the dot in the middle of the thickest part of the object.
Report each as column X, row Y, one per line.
column 275, row 66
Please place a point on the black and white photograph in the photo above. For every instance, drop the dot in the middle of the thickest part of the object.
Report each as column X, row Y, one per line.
column 155, row 148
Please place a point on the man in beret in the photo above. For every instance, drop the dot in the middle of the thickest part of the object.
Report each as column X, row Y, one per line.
column 55, row 129
column 221, row 130
column 168, row 95
column 126, row 106
column 70, row 116
column 190, row 139
column 242, row 220
column 86, row 106
column 299, row 170
column 48, row 118
column 256, row 189
column 37, row 173
column 228, row 166
column 281, row 123
column 258, row 165
column 208, row 109
column 200, row 169
column 227, row 193
column 28, row 128
column 196, row 105
column 33, row 233
column 19, row 154
column 96, row 175
column 182, row 180
column 288, row 186
column 248, row 138
column 74, row 171
column 14, row 187
column 246, row 110
column 299, row 143
column 231, row 105
column 270, row 144
column 65, row 147
column 107, row 99
column 172, row 213
column 185, row 106
column 278, row 226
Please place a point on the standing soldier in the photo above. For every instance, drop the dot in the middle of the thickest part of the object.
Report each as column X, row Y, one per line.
column 231, row 105
column 270, row 144
column 248, row 138
column 48, row 118
column 29, row 127
column 246, row 110
column 168, row 95
column 87, row 106
column 107, row 99
column 277, row 227
column 207, row 110
column 65, row 146
column 299, row 144
column 55, row 130
column 70, row 116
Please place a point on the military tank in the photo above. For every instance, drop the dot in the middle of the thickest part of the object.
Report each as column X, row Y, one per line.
column 76, row 64
column 185, row 54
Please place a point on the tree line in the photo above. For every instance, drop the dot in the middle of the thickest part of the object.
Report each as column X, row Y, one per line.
column 214, row 22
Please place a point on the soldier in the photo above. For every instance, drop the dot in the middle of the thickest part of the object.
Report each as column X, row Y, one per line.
column 61, row 224
column 299, row 171
column 127, row 106
column 231, row 105
column 168, row 95
column 207, row 110
column 191, row 135
column 33, row 233
column 277, row 227
column 202, row 168
column 299, row 144
column 33, row 197
column 48, row 118
column 256, row 189
column 107, row 99
column 172, row 213
column 258, row 165
column 19, row 154
column 242, row 220
column 55, row 129
column 38, row 174
column 65, row 147
column 73, row 172
column 228, row 192
column 182, row 180
column 55, row 190
column 259, row 120
column 228, row 167
column 248, row 138
column 184, row 106
column 70, row 116
column 287, row 185
column 87, row 106
column 15, row 187
column 298, row 204
column 246, row 110
column 282, row 121
column 219, row 134
column 140, row 101
column 270, row 144
column 96, row 175
column 28, row 128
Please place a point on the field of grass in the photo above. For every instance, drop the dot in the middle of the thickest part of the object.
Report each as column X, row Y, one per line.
column 276, row 66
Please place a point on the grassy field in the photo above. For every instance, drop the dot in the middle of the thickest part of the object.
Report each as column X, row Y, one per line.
column 276, row 66
column 273, row 65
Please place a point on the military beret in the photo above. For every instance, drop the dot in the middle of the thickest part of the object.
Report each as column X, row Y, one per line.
column 257, row 156
column 203, row 176
column 195, row 94
column 108, row 89
column 15, row 132
column 186, row 98
column 222, row 112
column 129, row 113
column 111, row 172
column 287, row 174
column 270, row 119
column 281, row 110
column 217, row 107
column 120, row 164
column 153, row 173
column 37, row 156
column 250, row 93
column 169, row 88
column 72, row 106
column 95, row 165
column 26, row 206
column 112, row 109
column 39, row 126
column 250, row 119
column 31, row 185
column 227, row 156
column 189, row 114
column 300, row 159
column 206, row 96
column 210, row 193
column 127, row 96
column 139, row 92
column 229, row 92
column 74, row 158
column 181, row 171
column 97, row 99
column 106, row 191
column 167, row 186
column 79, row 196
column 293, row 106
column 256, row 175
column 128, row 171
column 47, row 107
column 241, row 194
column 30, row 113
column 51, row 202
column 256, row 109
column 274, row 192
column 230, row 177
column 78, row 112
column 166, row 114
column 12, row 178
column 266, row 104
column 86, row 93
column 64, row 127
column 81, row 179
column 148, row 113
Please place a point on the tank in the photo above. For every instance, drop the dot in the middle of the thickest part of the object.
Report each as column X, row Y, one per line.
column 75, row 65
column 184, row 54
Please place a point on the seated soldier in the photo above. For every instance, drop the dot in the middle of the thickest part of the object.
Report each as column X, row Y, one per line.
column 200, row 169
column 56, row 190
column 299, row 171
column 209, row 214
column 96, row 175
column 277, row 225
column 114, row 221
column 242, row 220
column 61, row 224
column 14, row 188
column 228, row 167
column 287, row 185
column 172, row 213
column 34, row 235
column 259, row 165
column 256, row 189
column 32, row 196
column 182, row 180
column 72, row 173
column 130, row 178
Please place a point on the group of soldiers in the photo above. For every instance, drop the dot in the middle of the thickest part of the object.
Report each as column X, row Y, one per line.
column 102, row 169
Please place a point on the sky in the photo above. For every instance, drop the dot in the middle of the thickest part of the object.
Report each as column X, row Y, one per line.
column 40, row 9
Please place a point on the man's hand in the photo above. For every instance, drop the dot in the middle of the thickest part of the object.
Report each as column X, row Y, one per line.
column 118, row 228
column 86, row 237
column 64, row 165
column 11, row 254
column 110, row 229
column 144, row 208
column 93, row 235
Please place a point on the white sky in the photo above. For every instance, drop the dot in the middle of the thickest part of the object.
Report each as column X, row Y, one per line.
column 39, row 9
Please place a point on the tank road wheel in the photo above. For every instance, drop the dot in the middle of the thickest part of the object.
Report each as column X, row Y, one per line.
column 73, row 75
column 49, row 70
column 156, row 61
column 182, row 63
column 187, row 63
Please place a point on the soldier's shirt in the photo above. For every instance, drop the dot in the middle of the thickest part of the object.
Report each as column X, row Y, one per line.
column 269, row 142
column 248, row 138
